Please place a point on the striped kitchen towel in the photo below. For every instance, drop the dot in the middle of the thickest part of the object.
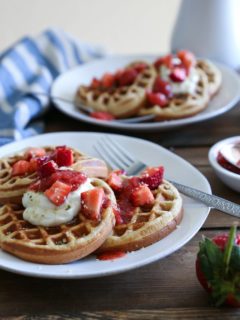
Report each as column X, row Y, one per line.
column 31, row 65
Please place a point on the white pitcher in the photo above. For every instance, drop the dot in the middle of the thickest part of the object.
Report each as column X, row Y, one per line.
column 209, row 28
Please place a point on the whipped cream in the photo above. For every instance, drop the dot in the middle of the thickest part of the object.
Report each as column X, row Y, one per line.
column 40, row 211
column 188, row 86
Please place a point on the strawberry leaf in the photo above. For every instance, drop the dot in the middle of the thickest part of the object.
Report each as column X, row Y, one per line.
column 213, row 253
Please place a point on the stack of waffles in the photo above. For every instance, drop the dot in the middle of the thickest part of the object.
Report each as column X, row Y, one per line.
column 173, row 87
column 59, row 205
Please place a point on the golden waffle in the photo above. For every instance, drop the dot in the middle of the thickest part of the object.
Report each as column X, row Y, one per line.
column 54, row 245
column 182, row 105
column 13, row 187
column 213, row 74
column 122, row 101
column 148, row 226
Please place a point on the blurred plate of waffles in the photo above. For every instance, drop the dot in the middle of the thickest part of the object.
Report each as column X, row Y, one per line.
column 91, row 266
column 116, row 83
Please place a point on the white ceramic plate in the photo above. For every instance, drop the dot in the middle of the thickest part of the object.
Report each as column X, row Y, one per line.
column 65, row 86
column 176, row 169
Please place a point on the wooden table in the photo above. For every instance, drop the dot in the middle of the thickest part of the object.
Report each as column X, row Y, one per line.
column 167, row 289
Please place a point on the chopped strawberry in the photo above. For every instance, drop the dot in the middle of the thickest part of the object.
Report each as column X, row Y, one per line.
column 166, row 60
column 101, row 115
column 161, row 86
column 139, row 67
column 58, row 192
column 115, row 181
column 152, row 177
column 95, row 83
column 188, row 59
column 158, row 99
column 47, row 169
column 108, row 80
column 92, row 201
column 33, row 165
column 142, row 196
column 226, row 165
column 73, row 178
column 178, row 74
column 127, row 77
column 34, row 152
column 20, row 168
column 63, row 156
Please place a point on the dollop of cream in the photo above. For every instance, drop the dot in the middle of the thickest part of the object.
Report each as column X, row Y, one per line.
column 40, row 211
column 188, row 86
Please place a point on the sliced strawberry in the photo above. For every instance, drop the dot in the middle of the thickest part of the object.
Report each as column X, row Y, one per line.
column 47, row 169
column 20, row 168
column 157, row 99
column 127, row 77
column 188, row 59
column 178, row 74
column 108, row 80
column 166, row 60
column 139, row 67
column 101, row 115
column 115, row 181
column 58, row 192
column 142, row 196
column 34, row 152
column 161, row 86
column 63, row 156
column 152, row 177
column 92, row 201
column 95, row 84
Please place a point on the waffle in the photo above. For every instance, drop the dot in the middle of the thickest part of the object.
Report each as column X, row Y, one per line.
column 123, row 101
column 54, row 245
column 148, row 226
column 213, row 74
column 13, row 187
column 182, row 105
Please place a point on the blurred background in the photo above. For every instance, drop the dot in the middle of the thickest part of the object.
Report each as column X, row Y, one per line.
column 126, row 26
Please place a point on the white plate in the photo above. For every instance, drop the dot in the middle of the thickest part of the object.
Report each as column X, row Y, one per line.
column 65, row 86
column 176, row 169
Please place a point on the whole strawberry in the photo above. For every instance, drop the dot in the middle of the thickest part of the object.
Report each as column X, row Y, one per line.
column 218, row 268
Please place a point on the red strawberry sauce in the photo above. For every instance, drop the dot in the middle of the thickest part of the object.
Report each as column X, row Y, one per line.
column 111, row 255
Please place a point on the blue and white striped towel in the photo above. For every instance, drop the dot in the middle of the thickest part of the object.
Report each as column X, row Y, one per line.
column 31, row 65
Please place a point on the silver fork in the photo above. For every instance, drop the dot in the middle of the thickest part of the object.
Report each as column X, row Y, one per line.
column 119, row 158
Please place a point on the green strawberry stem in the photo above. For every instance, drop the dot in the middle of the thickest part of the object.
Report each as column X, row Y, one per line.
column 229, row 248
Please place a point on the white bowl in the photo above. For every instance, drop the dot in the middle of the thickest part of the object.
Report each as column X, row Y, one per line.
column 231, row 179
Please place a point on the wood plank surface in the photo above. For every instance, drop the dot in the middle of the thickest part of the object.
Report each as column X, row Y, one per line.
column 168, row 283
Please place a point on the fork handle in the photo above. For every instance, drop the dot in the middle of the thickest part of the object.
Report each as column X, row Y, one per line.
column 210, row 200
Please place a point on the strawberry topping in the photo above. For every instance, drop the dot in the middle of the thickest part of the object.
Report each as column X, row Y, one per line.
column 127, row 77
column 142, row 196
column 20, row 168
column 158, row 99
column 92, row 201
column 34, row 152
column 58, row 192
column 47, row 169
column 178, row 74
column 152, row 177
column 63, row 156
column 164, row 87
